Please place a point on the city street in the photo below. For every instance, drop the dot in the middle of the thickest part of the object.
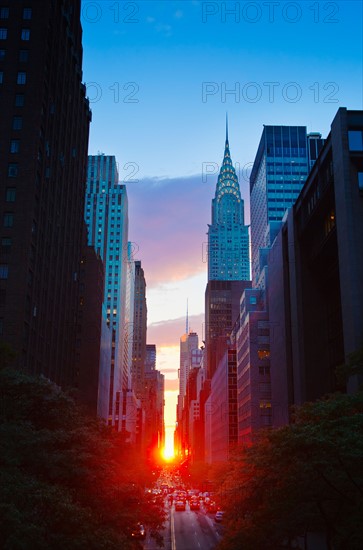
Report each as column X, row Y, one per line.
column 188, row 530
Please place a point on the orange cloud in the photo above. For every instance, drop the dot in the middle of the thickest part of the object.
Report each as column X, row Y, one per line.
column 172, row 384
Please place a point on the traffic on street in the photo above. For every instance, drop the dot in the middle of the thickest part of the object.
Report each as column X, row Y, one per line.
column 194, row 521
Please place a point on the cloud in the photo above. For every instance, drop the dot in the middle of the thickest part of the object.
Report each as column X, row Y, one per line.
column 165, row 334
column 164, row 29
column 171, row 384
column 168, row 222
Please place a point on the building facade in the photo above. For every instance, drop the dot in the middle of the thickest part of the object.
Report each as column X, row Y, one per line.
column 253, row 365
column 45, row 120
column 221, row 311
column 139, row 331
column 89, row 329
column 221, row 410
column 153, row 405
column 106, row 216
column 284, row 157
column 317, row 307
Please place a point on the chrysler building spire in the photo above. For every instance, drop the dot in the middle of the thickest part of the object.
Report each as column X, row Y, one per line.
column 228, row 239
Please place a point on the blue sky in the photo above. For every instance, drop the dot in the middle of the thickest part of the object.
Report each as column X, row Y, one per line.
column 158, row 75
column 163, row 52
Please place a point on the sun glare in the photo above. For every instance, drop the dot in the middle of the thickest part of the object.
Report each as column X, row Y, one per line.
column 168, row 454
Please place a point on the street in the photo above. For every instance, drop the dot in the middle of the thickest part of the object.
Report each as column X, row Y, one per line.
column 188, row 530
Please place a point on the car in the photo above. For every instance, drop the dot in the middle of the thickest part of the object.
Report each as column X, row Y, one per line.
column 219, row 516
column 194, row 505
column 139, row 532
column 212, row 507
column 180, row 506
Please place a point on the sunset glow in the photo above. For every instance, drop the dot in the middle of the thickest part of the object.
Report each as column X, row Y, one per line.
column 168, row 451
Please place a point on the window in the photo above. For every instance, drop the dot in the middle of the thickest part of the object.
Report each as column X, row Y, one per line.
column 17, row 123
column 264, row 370
column 2, row 296
column 27, row 13
column 13, row 170
column 253, row 300
column 8, row 220
column 10, row 194
column 21, row 78
column 360, row 182
column 1, row 77
column 5, row 245
column 14, row 146
column 25, row 34
column 263, row 353
column 4, row 13
column 19, row 100
column 3, row 33
column 355, row 139
column 4, row 271
column 2, row 55
column 24, row 56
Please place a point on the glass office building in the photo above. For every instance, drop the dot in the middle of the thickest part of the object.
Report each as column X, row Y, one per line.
column 283, row 161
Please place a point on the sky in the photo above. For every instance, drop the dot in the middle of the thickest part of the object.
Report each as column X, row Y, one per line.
column 160, row 77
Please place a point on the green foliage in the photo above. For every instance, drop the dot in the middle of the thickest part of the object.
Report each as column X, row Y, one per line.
column 6, row 355
column 67, row 481
column 353, row 367
column 303, row 478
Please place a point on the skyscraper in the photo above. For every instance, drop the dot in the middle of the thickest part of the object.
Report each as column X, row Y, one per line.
column 228, row 240
column 150, row 359
column 283, row 161
column 139, row 331
column 153, row 404
column 190, row 356
column 43, row 141
column 188, row 343
column 106, row 215
column 228, row 261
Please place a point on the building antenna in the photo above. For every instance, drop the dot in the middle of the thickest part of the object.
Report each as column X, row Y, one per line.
column 187, row 321
column 226, row 127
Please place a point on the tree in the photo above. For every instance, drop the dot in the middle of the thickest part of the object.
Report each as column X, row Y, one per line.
column 67, row 481
column 300, row 479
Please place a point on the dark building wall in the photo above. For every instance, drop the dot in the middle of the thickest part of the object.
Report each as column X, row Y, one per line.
column 347, row 163
column 223, row 410
column 280, row 329
column 46, row 120
column 316, row 268
column 222, row 309
column 88, row 342
column 139, row 331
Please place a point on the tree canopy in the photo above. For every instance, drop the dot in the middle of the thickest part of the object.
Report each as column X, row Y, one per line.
column 300, row 481
column 67, row 481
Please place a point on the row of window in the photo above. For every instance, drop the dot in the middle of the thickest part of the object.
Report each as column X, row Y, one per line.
column 23, row 55
column 24, row 35
column 20, row 78
column 27, row 13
